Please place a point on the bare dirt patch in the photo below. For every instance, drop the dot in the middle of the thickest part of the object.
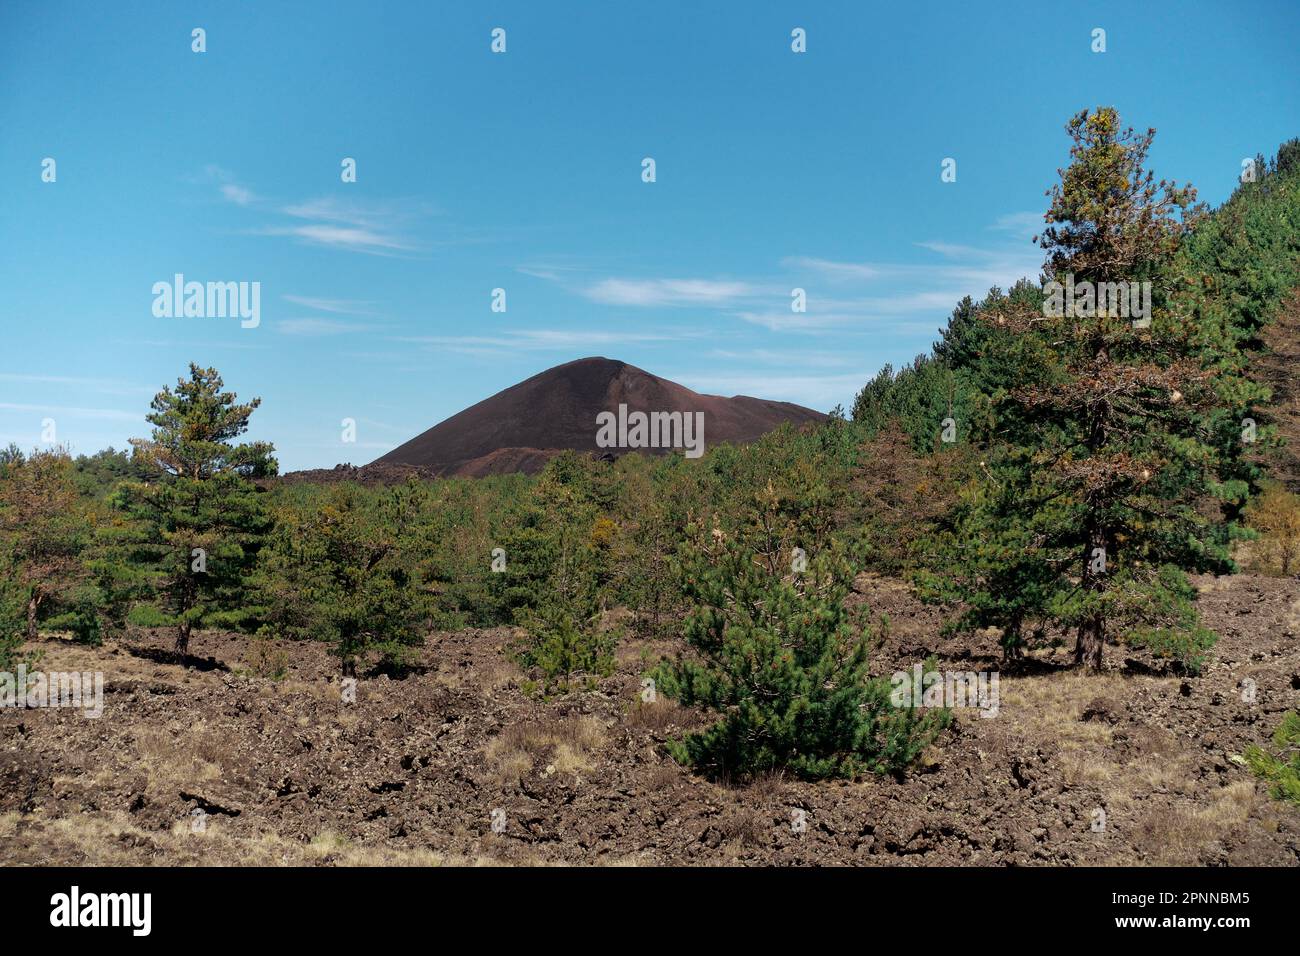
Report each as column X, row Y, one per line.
column 287, row 773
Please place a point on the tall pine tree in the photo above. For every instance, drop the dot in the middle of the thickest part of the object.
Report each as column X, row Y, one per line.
column 1105, row 457
column 197, row 522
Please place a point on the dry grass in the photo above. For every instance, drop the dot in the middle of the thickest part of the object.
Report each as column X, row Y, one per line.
column 565, row 744
column 654, row 718
column 112, row 840
column 488, row 675
column 641, row 652
column 1053, row 703
column 497, row 674
column 666, row 776
column 1181, row 836
column 177, row 757
column 1082, row 769
column 744, row 827
column 268, row 660
column 1050, row 708
column 769, row 786
column 104, row 840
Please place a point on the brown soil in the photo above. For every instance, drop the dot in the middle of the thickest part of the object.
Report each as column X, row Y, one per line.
column 412, row 772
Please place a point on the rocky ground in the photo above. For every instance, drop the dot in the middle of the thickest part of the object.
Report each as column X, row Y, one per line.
column 1130, row 767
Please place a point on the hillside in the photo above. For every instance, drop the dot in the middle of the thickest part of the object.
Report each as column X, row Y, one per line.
column 522, row 427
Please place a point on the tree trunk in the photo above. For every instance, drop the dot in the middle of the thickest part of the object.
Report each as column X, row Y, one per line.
column 33, row 603
column 1011, row 641
column 182, row 641
column 1092, row 630
column 1092, row 638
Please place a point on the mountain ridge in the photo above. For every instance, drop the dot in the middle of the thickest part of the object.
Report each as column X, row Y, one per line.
column 521, row 427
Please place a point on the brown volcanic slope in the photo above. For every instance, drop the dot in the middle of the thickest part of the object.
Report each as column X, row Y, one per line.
column 520, row 428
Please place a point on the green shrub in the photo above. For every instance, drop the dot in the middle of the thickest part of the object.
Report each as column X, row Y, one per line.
column 348, row 573
column 1161, row 616
column 561, row 643
column 1281, row 769
column 779, row 657
column 558, row 570
column 13, row 623
column 267, row 659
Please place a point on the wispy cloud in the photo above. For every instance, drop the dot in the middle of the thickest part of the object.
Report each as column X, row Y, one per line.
column 539, row 272
column 896, row 293
column 373, row 227
column 339, row 306
column 104, row 386
column 873, row 296
column 73, row 411
column 563, row 269
column 963, row 266
column 350, row 238
column 834, row 270
column 314, row 326
column 369, row 214
column 661, row 292
column 228, row 186
column 239, row 195
column 1022, row 225
column 543, row 340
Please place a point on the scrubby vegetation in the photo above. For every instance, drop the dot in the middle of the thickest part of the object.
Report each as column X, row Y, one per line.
column 779, row 656
column 1281, row 767
column 1275, row 516
column 1051, row 476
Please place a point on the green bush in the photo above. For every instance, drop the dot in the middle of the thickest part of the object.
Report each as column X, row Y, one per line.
column 348, row 573
column 1161, row 616
column 780, row 658
column 1281, row 769
column 561, row 643
column 13, row 623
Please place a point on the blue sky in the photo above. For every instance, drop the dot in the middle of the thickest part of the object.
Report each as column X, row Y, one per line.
column 522, row 171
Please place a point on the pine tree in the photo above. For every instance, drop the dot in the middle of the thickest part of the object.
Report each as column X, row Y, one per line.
column 557, row 567
column 347, row 572
column 981, row 558
column 1280, row 768
column 1104, row 454
column 896, row 493
column 777, row 654
column 196, row 523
